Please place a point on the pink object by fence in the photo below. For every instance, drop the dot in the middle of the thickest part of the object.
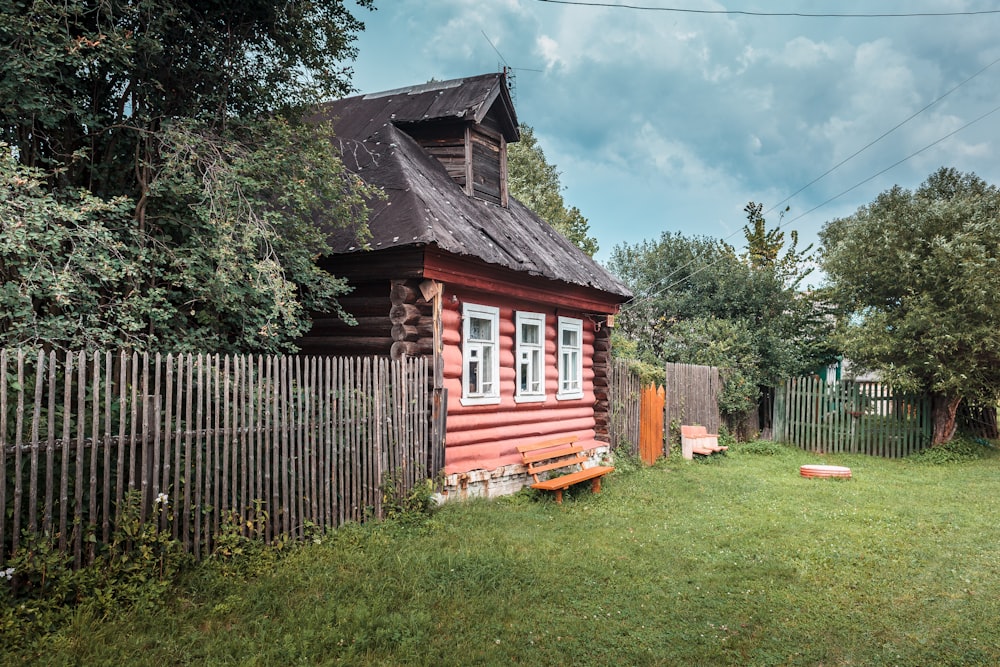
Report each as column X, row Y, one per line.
column 697, row 440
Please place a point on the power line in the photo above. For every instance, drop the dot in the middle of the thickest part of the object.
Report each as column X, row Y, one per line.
column 681, row 10
column 892, row 166
column 880, row 138
column 837, row 196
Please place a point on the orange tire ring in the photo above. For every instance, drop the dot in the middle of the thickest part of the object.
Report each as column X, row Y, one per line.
column 825, row 471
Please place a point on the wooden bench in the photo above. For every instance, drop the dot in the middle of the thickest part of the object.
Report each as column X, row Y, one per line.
column 561, row 454
column 697, row 440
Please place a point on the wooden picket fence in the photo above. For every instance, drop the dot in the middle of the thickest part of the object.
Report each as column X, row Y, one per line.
column 693, row 396
column 851, row 417
column 290, row 443
column 625, row 407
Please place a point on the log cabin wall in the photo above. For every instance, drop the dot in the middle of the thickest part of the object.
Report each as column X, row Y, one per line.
column 485, row 436
column 602, row 367
column 370, row 305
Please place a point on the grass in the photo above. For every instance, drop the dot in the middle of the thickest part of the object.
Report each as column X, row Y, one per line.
column 742, row 562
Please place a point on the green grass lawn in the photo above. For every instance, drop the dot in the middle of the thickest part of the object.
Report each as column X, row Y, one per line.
column 736, row 562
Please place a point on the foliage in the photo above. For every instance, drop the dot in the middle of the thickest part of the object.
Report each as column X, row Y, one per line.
column 764, row 247
column 762, row 448
column 914, row 274
column 398, row 503
column 535, row 183
column 697, row 301
column 87, row 85
column 134, row 571
column 156, row 190
column 763, row 566
column 958, row 450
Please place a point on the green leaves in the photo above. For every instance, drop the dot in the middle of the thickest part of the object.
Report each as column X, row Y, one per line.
column 535, row 183
column 915, row 276
column 698, row 302
column 151, row 194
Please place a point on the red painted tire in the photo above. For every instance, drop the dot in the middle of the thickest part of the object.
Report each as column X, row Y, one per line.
column 825, row 471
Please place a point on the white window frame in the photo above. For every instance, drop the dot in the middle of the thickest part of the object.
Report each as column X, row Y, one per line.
column 569, row 360
column 478, row 350
column 531, row 355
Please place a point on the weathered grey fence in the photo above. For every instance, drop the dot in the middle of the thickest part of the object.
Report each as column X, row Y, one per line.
column 299, row 440
column 624, row 399
column 851, row 417
column 693, row 396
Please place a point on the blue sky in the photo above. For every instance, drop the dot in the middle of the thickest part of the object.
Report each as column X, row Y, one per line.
column 673, row 121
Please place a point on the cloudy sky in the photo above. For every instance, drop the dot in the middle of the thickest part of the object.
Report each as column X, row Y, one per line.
column 663, row 120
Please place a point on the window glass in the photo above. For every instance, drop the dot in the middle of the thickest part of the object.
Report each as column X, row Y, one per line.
column 570, row 358
column 530, row 357
column 480, row 371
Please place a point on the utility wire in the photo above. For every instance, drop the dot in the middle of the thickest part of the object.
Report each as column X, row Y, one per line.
column 880, row 138
column 837, row 166
column 992, row 111
column 579, row 3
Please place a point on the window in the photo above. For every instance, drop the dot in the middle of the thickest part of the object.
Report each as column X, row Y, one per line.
column 480, row 356
column 530, row 356
column 570, row 358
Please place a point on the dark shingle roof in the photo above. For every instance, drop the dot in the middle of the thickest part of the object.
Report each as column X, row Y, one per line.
column 424, row 206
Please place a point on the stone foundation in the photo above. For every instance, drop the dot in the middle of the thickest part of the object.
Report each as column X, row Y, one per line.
column 502, row 481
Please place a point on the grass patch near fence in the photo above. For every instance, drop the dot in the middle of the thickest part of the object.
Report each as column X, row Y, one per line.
column 742, row 562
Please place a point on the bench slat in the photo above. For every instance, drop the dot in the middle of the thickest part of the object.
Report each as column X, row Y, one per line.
column 563, row 463
column 545, row 444
column 566, row 481
column 542, row 456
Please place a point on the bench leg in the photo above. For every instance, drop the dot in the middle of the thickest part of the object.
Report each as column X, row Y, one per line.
column 596, row 485
column 558, row 496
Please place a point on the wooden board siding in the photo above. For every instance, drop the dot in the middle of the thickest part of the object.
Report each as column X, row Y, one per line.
column 485, row 436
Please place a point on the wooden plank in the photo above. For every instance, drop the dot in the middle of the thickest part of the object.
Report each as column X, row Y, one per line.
column 188, row 450
column 142, row 443
column 218, row 440
column 18, row 454
column 157, row 425
column 50, row 445
column 36, row 418
column 3, row 453
column 81, row 403
column 168, row 400
column 95, row 433
column 108, row 401
column 178, row 435
column 199, row 459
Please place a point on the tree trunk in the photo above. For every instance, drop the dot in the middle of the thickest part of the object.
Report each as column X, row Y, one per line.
column 944, row 407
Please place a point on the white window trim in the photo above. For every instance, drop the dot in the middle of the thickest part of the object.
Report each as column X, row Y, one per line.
column 570, row 324
column 521, row 347
column 492, row 313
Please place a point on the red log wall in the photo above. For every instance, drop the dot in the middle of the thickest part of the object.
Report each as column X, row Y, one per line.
column 485, row 436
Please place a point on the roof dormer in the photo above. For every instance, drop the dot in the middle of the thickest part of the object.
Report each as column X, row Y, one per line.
column 465, row 124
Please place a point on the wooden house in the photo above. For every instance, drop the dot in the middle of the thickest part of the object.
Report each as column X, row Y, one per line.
column 516, row 318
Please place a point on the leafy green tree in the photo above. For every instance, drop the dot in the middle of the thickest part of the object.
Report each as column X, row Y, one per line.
column 915, row 274
column 184, row 114
column 764, row 247
column 535, row 183
column 698, row 301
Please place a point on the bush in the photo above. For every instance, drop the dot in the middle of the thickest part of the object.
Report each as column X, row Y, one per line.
column 40, row 591
column 959, row 450
column 761, row 448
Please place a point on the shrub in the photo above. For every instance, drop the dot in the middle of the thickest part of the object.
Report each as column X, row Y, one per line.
column 959, row 450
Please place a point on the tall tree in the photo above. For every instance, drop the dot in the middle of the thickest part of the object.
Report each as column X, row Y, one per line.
column 698, row 301
column 915, row 273
column 535, row 183
column 185, row 112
